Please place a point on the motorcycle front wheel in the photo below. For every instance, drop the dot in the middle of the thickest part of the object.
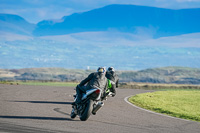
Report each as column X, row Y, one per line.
column 73, row 115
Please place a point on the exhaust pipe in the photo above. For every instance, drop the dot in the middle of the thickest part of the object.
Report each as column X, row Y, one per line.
column 97, row 107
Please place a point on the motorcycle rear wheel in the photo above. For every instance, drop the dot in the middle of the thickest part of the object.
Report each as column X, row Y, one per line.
column 87, row 112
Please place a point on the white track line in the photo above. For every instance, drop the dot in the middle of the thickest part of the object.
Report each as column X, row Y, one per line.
column 126, row 100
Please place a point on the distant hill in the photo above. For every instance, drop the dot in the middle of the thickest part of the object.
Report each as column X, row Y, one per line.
column 179, row 75
column 125, row 18
column 15, row 24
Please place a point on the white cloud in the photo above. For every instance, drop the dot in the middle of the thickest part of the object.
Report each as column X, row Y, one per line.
column 6, row 36
column 114, row 38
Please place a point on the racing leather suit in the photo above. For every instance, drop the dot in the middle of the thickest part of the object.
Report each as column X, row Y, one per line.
column 97, row 79
column 114, row 78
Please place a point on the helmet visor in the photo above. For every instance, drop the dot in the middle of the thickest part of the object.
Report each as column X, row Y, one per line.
column 101, row 70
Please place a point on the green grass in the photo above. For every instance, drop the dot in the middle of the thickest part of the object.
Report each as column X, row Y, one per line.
column 71, row 84
column 181, row 104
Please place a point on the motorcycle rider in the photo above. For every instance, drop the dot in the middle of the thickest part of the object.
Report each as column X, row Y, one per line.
column 97, row 79
column 113, row 77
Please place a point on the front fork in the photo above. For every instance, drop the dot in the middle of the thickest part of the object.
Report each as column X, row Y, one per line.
column 78, row 108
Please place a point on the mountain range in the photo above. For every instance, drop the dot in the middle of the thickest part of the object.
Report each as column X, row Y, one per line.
column 124, row 36
column 125, row 18
column 158, row 22
column 15, row 24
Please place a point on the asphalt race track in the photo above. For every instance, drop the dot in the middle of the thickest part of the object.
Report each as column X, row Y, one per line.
column 35, row 109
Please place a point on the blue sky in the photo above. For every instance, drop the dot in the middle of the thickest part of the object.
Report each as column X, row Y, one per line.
column 37, row 10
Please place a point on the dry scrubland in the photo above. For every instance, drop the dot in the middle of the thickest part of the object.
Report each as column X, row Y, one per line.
column 152, row 86
column 165, row 75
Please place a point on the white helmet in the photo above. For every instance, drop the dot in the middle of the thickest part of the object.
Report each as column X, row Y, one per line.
column 111, row 69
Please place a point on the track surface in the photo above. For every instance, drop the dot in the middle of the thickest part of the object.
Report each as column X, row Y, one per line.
column 34, row 109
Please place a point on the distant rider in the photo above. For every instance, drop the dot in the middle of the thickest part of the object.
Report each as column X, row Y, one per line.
column 97, row 79
column 113, row 77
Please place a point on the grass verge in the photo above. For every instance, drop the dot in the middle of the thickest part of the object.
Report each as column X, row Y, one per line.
column 71, row 84
column 181, row 104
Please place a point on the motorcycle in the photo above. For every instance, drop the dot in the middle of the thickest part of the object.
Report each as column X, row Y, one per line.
column 91, row 102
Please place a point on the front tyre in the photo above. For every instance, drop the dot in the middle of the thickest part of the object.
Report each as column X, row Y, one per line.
column 73, row 115
column 86, row 113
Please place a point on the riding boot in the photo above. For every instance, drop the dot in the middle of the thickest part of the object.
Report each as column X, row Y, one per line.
column 79, row 96
column 113, row 90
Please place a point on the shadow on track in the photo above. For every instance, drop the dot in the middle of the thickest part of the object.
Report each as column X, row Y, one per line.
column 46, row 102
column 37, row 118
column 61, row 112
